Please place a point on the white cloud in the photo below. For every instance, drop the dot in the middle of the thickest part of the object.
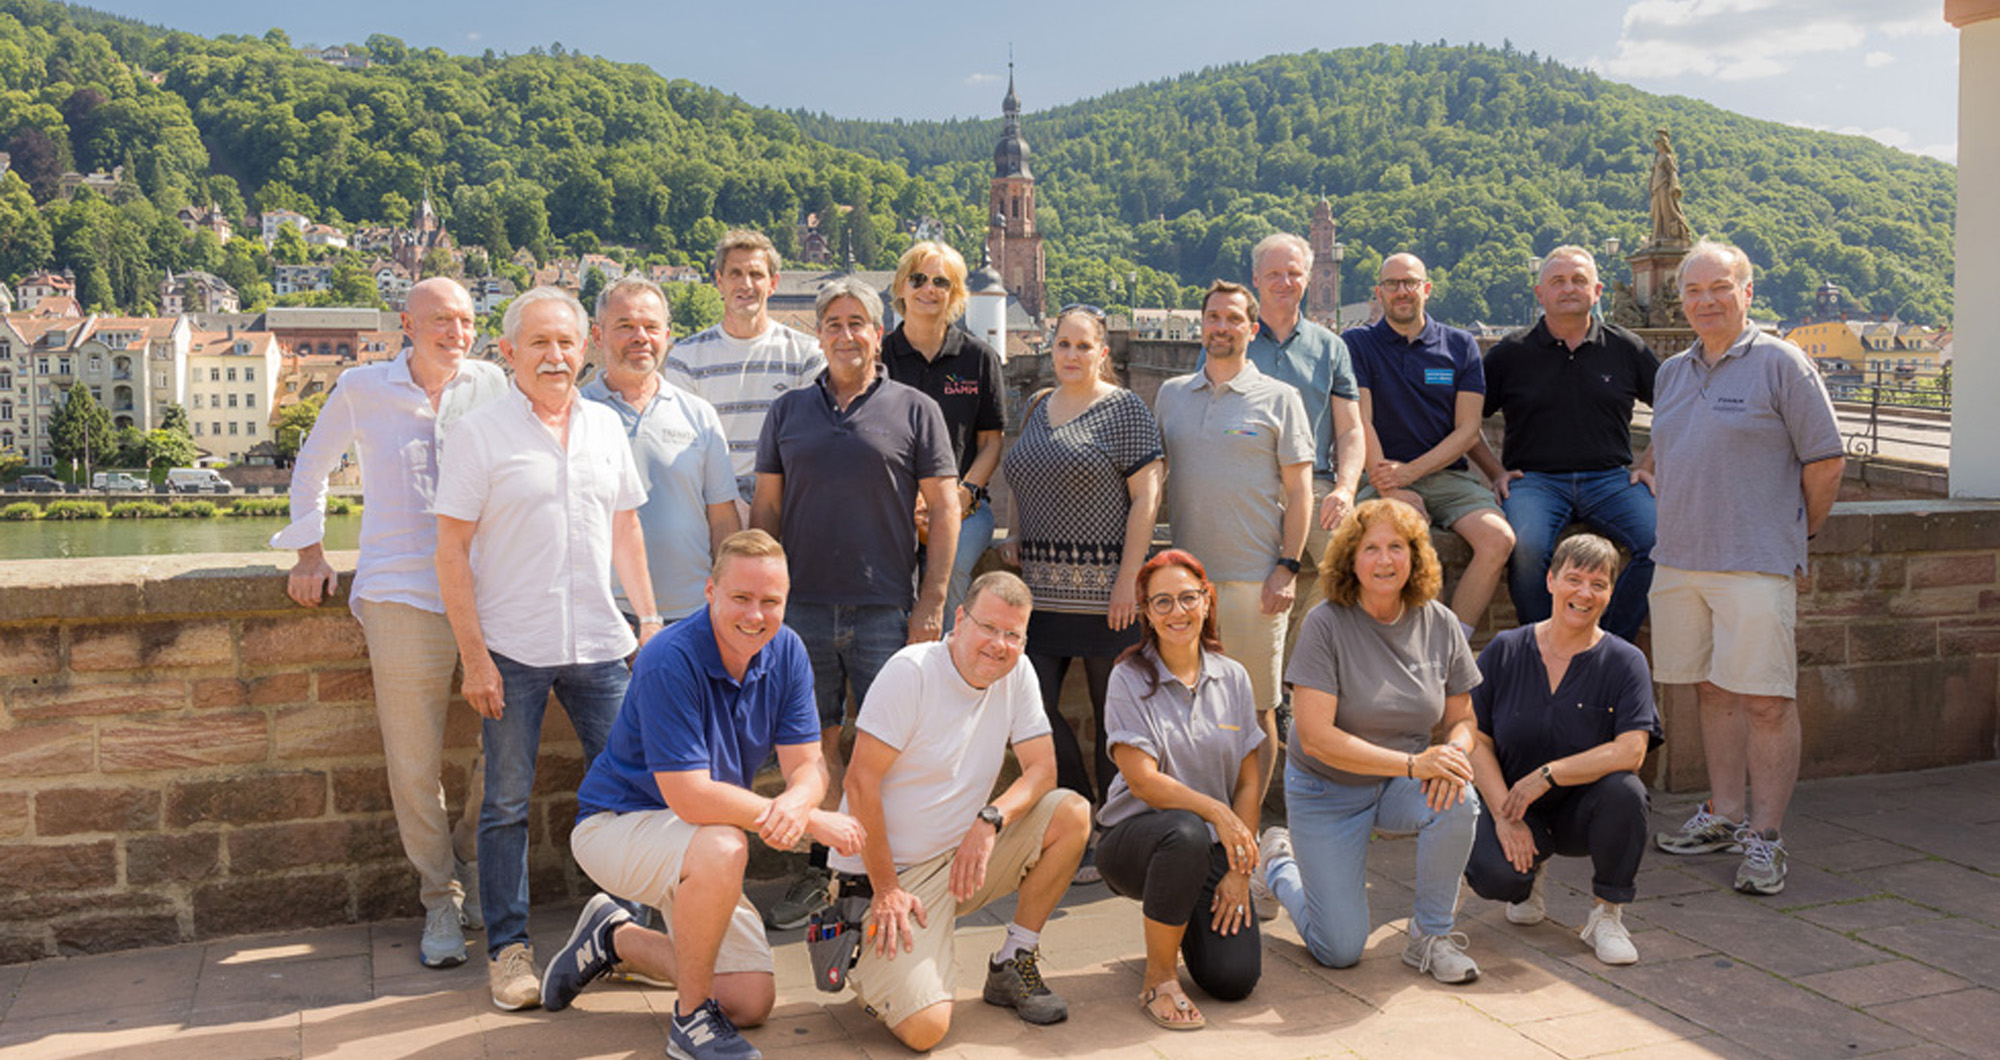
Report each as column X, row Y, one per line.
column 975, row 80
column 1742, row 40
column 1877, row 59
column 1893, row 136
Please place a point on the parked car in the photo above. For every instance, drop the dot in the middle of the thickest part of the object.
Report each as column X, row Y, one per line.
column 196, row 480
column 118, row 482
column 37, row 484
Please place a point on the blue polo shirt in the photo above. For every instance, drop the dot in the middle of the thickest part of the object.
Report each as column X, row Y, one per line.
column 1414, row 386
column 684, row 712
column 1607, row 690
column 1316, row 363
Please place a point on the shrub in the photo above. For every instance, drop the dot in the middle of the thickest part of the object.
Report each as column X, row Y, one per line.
column 192, row 509
column 75, row 510
column 138, row 510
column 261, row 506
column 21, row 511
column 341, row 505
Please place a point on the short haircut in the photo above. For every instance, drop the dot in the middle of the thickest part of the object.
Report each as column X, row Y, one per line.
column 1274, row 241
column 1008, row 588
column 510, row 322
column 1567, row 250
column 1587, row 552
column 1227, row 287
column 745, row 239
column 954, row 270
column 1340, row 585
column 746, row 544
column 848, row 287
column 628, row 285
column 1731, row 255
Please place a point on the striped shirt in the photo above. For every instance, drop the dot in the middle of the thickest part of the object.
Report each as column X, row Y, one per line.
column 741, row 378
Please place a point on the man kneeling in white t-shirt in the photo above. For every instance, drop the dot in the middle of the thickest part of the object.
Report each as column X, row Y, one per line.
column 933, row 734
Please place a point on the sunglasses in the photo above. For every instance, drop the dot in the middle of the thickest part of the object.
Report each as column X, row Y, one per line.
column 918, row 279
column 1081, row 307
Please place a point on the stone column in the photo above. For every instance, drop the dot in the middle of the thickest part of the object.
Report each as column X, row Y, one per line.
column 1975, row 433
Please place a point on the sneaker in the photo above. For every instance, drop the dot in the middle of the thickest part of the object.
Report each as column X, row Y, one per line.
column 1605, row 932
column 1017, row 984
column 1276, row 843
column 444, row 941
column 806, row 897
column 1443, row 956
column 471, row 915
column 631, row 975
column 1532, row 910
column 587, row 955
column 1704, row 832
column 511, row 976
column 1763, row 868
column 707, row 1034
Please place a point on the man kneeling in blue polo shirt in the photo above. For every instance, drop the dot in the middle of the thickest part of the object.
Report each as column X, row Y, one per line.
column 669, row 801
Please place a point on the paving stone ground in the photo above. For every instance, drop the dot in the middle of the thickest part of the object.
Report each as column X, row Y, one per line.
column 1886, row 943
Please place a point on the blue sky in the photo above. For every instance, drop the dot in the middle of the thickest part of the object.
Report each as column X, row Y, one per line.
column 1883, row 68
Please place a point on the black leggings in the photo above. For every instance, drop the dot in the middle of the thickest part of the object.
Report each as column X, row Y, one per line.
column 1051, row 669
column 1604, row 820
column 1166, row 860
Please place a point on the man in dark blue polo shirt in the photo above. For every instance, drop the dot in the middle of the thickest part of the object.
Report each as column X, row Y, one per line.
column 839, row 469
column 1422, row 396
column 669, row 802
column 1567, row 385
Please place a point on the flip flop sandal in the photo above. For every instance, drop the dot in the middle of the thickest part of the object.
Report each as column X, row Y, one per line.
column 1182, row 1006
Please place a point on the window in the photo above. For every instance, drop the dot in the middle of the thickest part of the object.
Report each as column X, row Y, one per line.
column 215, row 375
column 96, row 363
column 6, row 410
column 6, row 380
column 250, row 428
column 232, row 401
column 232, row 375
column 6, row 351
column 97, row 393
column 197, row 428
column 195, row 401
column 250, row 373
column 63, row 366
column 42, row 365
column 250, row 401
column 159, row 380
column 215, row 427
column 232, row 426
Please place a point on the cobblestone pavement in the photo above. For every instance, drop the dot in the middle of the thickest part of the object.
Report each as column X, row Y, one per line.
column 1885, row 943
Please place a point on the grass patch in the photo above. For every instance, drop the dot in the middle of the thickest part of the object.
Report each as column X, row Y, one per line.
column 138, row 510
column 75, row 510
column 192, row 509
column 261, row 506
column 21, row 511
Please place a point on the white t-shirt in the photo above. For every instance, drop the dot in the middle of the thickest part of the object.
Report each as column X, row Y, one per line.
column 741, row 377
column 952, row 739
column 541, row 554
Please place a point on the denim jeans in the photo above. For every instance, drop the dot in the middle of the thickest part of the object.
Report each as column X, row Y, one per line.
column 1325, row 889
column 975, row 536
column 1539, row 504
column 846, row 643
column 591, row 694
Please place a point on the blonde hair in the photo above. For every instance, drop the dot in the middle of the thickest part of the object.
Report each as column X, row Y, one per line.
column 746, row 544
column 1004, row 586
column 1340, row 585
column 954, row 270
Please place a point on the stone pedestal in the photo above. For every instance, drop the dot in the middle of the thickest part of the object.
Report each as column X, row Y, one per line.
column 1654, row 269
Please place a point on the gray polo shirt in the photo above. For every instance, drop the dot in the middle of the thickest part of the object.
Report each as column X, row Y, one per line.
column 1729, row 445
column 1225, row 445
column 1199, row 736
column 683, row 456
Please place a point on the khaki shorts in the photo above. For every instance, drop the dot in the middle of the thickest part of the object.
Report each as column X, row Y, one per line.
column 1251, row 637
column 1730, row 628
column 637, row 856
column 1448, row 495
column 894, row 989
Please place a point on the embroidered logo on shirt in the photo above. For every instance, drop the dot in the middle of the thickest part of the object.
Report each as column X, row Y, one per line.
column 1438, row 376
column 953, row 386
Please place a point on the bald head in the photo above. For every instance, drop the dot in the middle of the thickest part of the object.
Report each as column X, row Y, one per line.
column 437, row 315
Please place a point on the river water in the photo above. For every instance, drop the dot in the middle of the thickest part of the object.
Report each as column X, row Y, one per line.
column 71, row 538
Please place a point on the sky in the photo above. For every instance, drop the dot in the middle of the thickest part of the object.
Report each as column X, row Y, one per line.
column 1881, row 68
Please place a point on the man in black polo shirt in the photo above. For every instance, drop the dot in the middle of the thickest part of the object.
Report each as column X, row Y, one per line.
column 1567, row 385
column 839, row 468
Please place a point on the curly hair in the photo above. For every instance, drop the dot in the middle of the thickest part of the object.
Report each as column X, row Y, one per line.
column 1211, row 634
column 1338, row 582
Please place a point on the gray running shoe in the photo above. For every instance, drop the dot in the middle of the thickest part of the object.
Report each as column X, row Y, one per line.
column 1017, row 984
column 707, row 1034
column 1443, row 956
column 1703, row 832
column 806, row 896
column 1763, row 867
column 444, row 943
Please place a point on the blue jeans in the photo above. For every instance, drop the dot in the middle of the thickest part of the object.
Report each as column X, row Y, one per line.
column 975, row 536
column 591, row 694
column 1325, row 889
column 1539, row 504
column 846, row 643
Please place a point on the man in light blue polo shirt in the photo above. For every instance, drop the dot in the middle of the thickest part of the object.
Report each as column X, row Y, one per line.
column 677, row 441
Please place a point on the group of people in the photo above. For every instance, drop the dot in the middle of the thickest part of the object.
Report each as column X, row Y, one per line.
column 784, row 528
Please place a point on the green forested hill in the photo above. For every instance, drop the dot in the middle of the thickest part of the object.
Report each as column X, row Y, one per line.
column 1475, row 158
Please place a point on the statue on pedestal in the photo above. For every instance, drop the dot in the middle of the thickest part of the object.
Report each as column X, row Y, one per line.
column 1670, row 223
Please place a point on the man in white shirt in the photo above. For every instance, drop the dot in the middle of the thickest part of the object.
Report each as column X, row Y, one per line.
column 537, row 503
column 742, row 364
column 933, row 734
column 395, row 414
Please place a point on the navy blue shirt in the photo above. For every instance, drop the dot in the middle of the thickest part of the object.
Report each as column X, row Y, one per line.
column 1414, row 386
column 1607, row 690
column 684, row 712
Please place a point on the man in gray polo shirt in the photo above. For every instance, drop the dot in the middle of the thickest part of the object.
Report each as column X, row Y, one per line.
column 1747, row 457
column 677, row 441
column 1239, row 489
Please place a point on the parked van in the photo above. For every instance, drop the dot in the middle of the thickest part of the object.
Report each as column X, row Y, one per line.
column 197, row 480
column 118, row 482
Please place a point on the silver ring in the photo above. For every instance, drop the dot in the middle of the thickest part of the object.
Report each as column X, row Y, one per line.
column 1239, row 852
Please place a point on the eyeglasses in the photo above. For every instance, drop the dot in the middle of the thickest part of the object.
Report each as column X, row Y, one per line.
column 1081, row 307
column 918, row 279
column 1165, row 603
column 1010, row 637
column 1401, row 284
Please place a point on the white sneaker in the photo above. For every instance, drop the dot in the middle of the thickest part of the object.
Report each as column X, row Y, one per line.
column 1443, row 956
column 1532, row 910
column 1275, row 843
column 1605, row 932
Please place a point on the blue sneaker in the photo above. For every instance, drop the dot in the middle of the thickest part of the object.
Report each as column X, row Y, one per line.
column 707, row 1034
column 587, row 955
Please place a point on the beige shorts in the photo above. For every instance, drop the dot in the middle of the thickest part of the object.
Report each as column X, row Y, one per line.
column 1251, row 637
column 1449, row 495
column 1733, row 629
column 894, row 989
column 637, row 856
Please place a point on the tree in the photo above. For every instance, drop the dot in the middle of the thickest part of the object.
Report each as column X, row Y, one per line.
column 80, row 431
column 289, row 247
column 130, row 445
column 174, row 417
column 593, row 282
column 294, row 423
column 25, row 243
column 167, row 449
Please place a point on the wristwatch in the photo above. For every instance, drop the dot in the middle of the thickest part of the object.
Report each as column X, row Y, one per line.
column 1289, row 564
column 991, row 815
column 1549, row 776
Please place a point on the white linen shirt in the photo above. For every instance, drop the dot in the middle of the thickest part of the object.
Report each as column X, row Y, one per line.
column 541, row 553
column 380, row 411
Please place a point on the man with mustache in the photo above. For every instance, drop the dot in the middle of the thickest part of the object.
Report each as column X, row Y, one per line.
column 1567, row 385
column 537, row 504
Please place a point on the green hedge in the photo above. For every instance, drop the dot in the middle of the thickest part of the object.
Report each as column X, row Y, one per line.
column 21, row 511
column 261, row 506
column 75, row 510
column 192, row 509
column 138, row 510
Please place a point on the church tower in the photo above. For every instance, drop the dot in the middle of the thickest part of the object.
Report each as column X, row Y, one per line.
column 1012, row 243
column 1323, row 285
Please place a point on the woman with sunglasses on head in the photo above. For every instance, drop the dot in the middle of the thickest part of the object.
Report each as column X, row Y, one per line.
column 1181, row 820
column 962, row 374
column 1085, row 475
